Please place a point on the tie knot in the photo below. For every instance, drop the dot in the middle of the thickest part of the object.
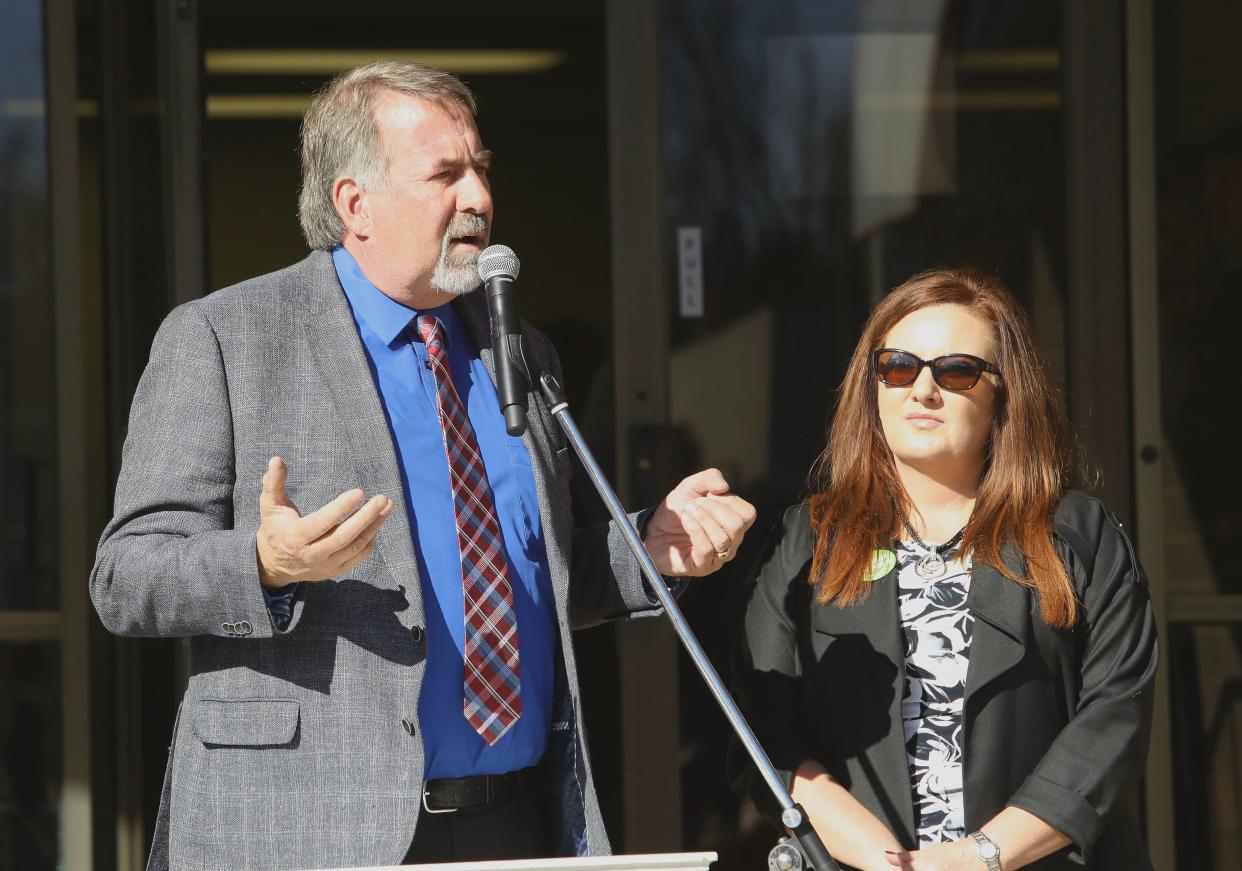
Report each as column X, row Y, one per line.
column 432, row 331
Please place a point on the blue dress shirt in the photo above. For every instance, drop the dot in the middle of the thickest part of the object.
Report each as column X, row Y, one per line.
column 407, row 390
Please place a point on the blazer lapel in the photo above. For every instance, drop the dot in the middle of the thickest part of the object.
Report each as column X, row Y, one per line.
column 1002, row 610
column 875, row 624
column 1001, row 628
column 474, row 316
column 328, row 326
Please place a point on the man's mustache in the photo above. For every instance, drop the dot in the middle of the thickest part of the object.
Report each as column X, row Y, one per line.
column 467, row 225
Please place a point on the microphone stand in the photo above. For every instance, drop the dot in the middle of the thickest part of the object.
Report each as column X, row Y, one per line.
column 802, row 848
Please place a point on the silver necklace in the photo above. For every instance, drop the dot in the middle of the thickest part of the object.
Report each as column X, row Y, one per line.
column 931, row 564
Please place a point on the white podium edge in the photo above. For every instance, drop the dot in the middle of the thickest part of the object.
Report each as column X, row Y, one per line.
column 638, row 862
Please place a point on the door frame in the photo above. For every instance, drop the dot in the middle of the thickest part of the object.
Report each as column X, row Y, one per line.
column 78, row 433
column 647, row 649
column 1146, row 457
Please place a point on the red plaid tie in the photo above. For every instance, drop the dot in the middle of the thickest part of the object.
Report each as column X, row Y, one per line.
column 492, row 701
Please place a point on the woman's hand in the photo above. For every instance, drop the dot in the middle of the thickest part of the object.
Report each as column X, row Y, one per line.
column 951, row 856
column 851, row 833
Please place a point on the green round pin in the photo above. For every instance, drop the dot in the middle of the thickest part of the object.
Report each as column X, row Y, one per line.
column 882, row 562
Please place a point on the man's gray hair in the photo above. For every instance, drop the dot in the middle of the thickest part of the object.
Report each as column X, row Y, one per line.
column 340, row 137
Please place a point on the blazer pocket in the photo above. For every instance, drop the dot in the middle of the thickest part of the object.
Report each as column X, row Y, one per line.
column 245, row 722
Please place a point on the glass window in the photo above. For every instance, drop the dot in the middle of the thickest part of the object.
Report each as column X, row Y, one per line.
column 1199, row 184
column 28, row 565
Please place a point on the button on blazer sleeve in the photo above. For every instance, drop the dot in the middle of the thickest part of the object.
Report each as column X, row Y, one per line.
column 170, row 562
column 1098, row 756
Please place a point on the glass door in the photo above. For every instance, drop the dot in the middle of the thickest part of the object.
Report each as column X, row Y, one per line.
column 815, row 156
column 1196, row 300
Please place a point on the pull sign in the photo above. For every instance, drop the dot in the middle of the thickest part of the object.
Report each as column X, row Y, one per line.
column 690, row 270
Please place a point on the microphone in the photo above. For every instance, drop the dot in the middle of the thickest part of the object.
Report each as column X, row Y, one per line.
column 498, row 267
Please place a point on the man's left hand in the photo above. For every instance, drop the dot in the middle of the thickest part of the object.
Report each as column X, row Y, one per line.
column 959, row 855
column 698, row 527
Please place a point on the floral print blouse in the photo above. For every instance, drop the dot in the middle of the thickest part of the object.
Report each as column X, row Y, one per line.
column 936, row 626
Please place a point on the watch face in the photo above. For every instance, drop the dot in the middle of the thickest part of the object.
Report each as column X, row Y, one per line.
column 989, row 851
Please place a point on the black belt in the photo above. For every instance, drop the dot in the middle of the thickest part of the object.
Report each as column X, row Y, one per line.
column 454, row 793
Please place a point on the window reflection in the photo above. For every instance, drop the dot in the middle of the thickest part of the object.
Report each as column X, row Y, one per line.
column 826, row 152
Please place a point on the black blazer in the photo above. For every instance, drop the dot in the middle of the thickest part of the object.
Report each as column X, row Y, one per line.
column 1056, row 721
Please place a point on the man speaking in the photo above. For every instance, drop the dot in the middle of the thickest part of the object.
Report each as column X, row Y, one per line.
column 379, row 583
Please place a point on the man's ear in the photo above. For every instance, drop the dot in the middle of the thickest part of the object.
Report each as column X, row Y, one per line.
column 353, row 206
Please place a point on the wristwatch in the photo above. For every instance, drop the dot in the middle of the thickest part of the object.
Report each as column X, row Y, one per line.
column 987, row 850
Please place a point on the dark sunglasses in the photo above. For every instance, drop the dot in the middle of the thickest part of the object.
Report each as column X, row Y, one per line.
column 952, row 371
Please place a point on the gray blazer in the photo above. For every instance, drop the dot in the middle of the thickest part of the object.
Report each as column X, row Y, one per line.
column 301, row 748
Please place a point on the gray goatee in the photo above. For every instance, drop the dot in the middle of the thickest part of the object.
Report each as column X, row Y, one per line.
column 457, row 273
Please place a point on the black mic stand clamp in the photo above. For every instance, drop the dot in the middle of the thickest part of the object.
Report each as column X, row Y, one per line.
column 801, row 849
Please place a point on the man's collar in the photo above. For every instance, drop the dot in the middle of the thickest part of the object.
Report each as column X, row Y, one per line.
column 382, row 314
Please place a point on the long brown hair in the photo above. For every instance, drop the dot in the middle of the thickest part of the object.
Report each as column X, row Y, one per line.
column 858, row 501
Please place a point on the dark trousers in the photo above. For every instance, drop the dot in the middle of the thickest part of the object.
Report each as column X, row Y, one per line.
column 515, row 828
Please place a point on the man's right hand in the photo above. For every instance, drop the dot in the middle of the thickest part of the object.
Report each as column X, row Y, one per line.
column 320, row 545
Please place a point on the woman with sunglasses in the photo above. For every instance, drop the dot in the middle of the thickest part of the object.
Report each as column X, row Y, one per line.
column 949, row 654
